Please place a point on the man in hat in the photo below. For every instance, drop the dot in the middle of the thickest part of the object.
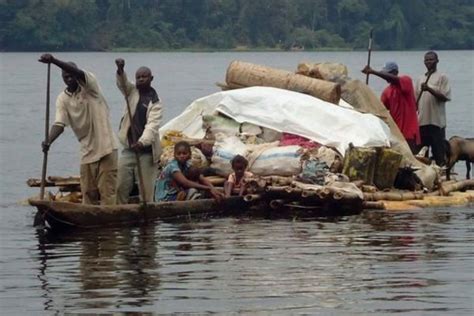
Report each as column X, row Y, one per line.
column 435, row 92
column 399, row 98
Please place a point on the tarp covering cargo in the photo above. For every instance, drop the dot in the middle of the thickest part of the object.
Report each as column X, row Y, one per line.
column 286, row 111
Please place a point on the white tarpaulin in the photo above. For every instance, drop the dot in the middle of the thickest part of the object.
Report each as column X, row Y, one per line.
column 286, row 111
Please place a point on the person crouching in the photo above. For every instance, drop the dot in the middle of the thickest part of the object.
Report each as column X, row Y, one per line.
column 235, row 184
column 172, row 184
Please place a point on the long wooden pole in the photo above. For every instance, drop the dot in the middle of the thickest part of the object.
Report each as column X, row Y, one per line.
column 421, row 92
column 46, row 133
column 368, row 54
column 137, row 155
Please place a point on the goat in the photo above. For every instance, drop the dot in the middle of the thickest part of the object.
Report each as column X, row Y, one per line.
column 458, row 148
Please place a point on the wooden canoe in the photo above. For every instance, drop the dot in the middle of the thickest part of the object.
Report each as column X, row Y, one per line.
column 60, row 215
column 65, row 215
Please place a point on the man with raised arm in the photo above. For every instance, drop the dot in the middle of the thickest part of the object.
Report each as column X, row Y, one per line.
column 139, row 136
column 83, row 107
column 399, row 98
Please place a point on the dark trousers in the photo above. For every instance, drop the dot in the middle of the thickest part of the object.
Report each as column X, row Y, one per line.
column 434, row 137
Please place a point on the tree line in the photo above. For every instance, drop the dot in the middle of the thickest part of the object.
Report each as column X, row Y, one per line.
column 102, row 25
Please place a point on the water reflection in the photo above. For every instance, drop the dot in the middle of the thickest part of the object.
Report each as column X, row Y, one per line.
column 377, row 262
column 102, row 268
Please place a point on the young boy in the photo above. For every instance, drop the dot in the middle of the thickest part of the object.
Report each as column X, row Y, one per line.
column 172, row 179
column 235, row 182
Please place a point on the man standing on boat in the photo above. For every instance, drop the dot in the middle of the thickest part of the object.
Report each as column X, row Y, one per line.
column 83, row 107
column 141, row 135
column 434, row 91
column 399, row 98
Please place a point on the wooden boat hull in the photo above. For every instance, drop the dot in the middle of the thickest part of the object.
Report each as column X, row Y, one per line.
column 66, row 215
column 60, row 215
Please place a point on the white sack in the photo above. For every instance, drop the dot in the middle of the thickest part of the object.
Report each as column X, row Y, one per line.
column 225, row 148
column 286, row 111
column 278, row 161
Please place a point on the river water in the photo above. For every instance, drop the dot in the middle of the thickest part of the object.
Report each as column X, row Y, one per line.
column 378, row 262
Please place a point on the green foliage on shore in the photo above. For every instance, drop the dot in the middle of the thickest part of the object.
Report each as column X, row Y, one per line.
column 104, row 25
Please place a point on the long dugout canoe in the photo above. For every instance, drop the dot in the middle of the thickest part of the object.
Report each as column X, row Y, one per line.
column 61, row 215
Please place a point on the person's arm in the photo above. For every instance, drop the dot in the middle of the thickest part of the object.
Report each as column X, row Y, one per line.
column 123, row 84
column 152, row 126
column 54, row 133
column 179, row 177
column 216, row 194
column 243, row 187
column 384, row 75
column 185, row 182
column 228, row 187
column 67, row 67
column 438, row 94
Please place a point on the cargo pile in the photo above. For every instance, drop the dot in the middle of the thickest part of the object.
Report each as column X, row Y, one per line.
column 313, row 139
column 302, row 168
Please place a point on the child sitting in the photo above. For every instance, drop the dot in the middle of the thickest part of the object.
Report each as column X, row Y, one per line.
column 235, row 183
column 172, row 184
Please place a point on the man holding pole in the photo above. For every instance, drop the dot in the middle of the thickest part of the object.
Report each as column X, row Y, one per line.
column 399, row 98
column 83, row 107
column 138, row 133
column 433, row 92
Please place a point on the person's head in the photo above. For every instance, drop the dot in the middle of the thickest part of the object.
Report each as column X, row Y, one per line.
column 69, row 79
column 182, row 152
column 390, row 67
column 143, row 78
column 193, row 173
column 431, row 60
column 239, row 165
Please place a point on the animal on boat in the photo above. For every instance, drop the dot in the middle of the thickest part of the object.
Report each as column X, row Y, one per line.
column 459, row 149
column 407, row 179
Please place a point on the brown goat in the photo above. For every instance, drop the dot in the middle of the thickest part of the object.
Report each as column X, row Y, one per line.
column 458, row 148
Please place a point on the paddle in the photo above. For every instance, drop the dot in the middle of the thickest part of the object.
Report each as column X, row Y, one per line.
column 137, row 156
column 46, row 133
column 369, row 53
column 421, row 92
column 39, row 220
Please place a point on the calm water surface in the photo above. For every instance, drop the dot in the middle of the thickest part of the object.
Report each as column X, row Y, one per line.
column 415, row 263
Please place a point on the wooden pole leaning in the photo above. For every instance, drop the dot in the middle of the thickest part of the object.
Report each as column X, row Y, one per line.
column 46, row 133
column 421, row 92
column 137, row 155
column 368, row 54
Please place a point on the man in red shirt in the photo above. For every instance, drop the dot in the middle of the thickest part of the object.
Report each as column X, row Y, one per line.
column 399, row 99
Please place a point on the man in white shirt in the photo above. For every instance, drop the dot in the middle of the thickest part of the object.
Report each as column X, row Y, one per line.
column 139, row 138
column 432, row 107
column 83, row 107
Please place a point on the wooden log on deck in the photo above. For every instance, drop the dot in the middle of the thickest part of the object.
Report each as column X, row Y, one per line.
column 343, row 195
column 53, row 181
column 278, row 180
column 448, row 187
column 241, row 74
column 277, row 204
column 393, row 196
column 252, row 197
column 373, row 205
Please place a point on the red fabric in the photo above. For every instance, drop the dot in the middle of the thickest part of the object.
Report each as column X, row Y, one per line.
column 288, row 139
column 400, row 100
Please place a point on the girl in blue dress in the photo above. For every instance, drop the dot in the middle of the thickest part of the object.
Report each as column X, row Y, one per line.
column 172, row 184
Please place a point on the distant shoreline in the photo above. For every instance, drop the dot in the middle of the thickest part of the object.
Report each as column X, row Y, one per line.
column 209, row 50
